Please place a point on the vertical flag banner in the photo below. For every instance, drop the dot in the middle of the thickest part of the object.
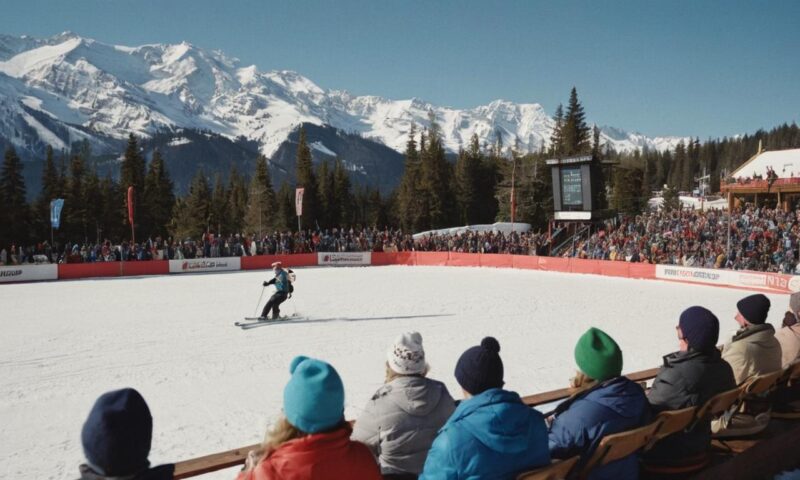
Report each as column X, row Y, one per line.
column 298, row 200
column 130, row 204
column 55, row 212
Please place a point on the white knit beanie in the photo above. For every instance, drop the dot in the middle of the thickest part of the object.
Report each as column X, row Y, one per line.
column 406, row 355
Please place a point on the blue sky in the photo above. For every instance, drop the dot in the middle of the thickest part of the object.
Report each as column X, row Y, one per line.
column 700, row 68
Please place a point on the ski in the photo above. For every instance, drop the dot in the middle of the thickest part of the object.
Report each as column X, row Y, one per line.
column 256, row 321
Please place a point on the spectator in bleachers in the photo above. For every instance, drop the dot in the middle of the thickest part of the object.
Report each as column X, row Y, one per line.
column 789, row 334
column 116, row 439
column 311, row 440
column 610, row 403
column 491, row 434
column 401, row 420
column 689, row 378
column 753, row 350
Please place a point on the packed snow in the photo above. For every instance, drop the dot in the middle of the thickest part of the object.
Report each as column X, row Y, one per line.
column 212, row 386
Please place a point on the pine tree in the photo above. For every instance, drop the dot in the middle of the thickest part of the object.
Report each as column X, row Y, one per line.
column 671, row 198
column 325, row 181
column 237, row 203
column 407, row 199
column 218, row 210
column 51, row 189
column 158, row 197
column 678, row 165
column 557, row 137
column 436, row 179
column 307, row 180
column 262, row 207
column 575, row 132
column 132, row 173
column 75, row 210
column 193, row 211
column 286, row 212
column 342, row 204
column 14, row 214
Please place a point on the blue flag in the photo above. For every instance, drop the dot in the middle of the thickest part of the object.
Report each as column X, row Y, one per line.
column 55, row 212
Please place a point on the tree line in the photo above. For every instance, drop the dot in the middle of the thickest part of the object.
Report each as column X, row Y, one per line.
column 434, row 192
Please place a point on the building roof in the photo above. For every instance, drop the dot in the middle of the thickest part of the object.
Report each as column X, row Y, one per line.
column 786, row 164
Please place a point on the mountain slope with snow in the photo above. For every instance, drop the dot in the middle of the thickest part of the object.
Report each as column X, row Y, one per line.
column 101, row 92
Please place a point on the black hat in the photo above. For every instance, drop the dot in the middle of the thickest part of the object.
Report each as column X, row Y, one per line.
column 116, row 436
column 480, row 368
column 700, row 328
column 754, row 308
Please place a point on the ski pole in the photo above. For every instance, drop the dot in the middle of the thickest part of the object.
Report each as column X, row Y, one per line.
column 259, row 301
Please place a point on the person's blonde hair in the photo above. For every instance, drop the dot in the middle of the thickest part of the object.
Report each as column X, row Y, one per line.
column 281, row 432
column 581, row 382
column 391, row 374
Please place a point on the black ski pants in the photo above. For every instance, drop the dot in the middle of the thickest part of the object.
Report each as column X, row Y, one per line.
column 273, row 304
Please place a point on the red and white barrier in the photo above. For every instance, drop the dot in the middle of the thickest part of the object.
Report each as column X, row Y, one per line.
column 762, row 281
column 28, row 273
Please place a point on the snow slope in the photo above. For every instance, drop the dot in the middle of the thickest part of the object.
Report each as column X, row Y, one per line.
column 116, row 90
column 213, row 387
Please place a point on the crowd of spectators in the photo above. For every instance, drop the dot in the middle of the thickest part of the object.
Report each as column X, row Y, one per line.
column 413, row 428
column 754, row 238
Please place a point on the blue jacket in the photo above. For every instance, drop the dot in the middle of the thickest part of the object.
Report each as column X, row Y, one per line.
column 489, row 436
column 281, row 281
column 580, row 423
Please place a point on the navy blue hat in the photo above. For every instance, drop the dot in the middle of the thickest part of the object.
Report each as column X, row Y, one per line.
column 700, row 328
column 480, row 368
column 754, row 308
column 116, row 436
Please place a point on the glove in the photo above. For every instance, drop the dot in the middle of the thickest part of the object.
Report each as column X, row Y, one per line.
column 265, row 283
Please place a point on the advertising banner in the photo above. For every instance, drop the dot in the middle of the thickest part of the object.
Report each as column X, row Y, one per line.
column 193, row 265
column 55, row 212
column 28, row 273
column 344, row 258
column 732, row 278
column 298, row 201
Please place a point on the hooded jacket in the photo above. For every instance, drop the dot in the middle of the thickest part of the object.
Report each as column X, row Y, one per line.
column 581, row 422
column 688, row 379
column 492, row 435
column 789, row 339
column 753, row 350
column 401, row 420
column 320, row 456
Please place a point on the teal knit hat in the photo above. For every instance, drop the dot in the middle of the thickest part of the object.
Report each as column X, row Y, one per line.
column 598, row 355
column 313, row 400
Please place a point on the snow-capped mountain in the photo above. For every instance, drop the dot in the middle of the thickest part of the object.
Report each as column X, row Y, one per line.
column 66, row 88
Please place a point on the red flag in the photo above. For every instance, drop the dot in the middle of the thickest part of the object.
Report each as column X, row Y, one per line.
column 130, row 204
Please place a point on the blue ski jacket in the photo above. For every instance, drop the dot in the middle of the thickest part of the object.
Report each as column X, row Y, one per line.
column 281, row 281
column 580, row 423
column 489, row 436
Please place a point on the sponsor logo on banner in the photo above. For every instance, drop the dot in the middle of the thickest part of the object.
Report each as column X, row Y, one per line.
column 344, row 258
column 205, row 265
column 794, row 284
column 733, row 278
column 28, row 273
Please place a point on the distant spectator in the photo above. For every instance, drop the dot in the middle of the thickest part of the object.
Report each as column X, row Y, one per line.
column 609, row 404
column 491, row 434
column 401, row 420
column 116, row 439
column 789, row 334
column 689, row 378
column 311, row 441
column 753, row 350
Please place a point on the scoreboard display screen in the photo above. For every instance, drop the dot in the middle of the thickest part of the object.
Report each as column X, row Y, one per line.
column 571, row 189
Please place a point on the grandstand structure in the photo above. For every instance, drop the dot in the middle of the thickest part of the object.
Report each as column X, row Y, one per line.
column 767, row 178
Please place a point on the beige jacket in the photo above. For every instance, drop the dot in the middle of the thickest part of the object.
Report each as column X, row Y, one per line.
column 789, row 338
column 753, row 350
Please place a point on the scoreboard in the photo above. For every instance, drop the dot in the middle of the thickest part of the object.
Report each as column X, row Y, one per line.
column 576, row 184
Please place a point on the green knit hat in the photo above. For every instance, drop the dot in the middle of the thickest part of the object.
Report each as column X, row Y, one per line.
column 598, row 355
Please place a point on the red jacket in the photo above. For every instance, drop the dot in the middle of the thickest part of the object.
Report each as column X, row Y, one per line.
column 323, row 456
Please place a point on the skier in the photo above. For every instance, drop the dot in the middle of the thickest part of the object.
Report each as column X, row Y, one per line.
column 284, row 291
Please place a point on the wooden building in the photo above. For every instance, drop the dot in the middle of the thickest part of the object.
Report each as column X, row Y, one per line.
column 767, row 178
